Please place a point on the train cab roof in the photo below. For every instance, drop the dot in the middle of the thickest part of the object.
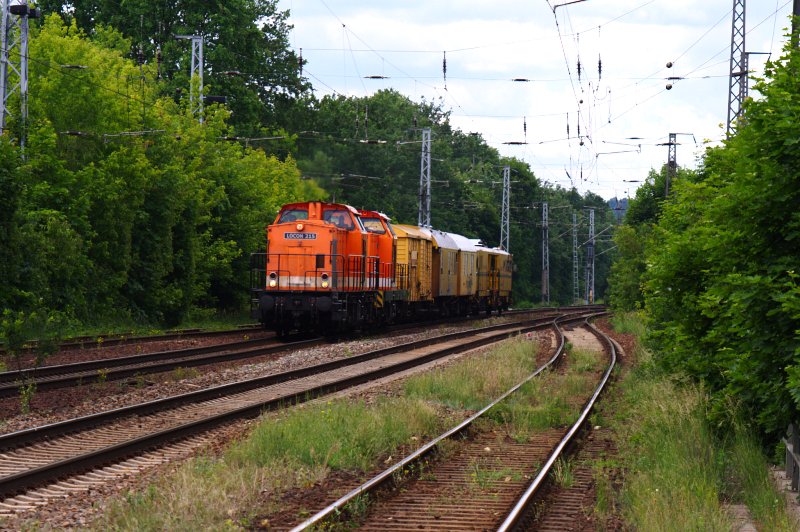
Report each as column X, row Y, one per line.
column 375, row 221
column 340, row 214
column 374, row 214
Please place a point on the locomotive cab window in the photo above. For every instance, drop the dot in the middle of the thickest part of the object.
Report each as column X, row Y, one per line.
column 293, row 215
column 339, row 218
column 373, row 225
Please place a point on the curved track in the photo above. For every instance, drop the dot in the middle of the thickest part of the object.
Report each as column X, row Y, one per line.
column 36, row 457
column 109, row 369
column 425, row 504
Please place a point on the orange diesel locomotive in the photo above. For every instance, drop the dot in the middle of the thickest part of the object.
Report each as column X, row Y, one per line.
column 329, row 267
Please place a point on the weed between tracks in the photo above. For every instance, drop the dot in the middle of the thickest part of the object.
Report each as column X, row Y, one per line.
column 293, row 452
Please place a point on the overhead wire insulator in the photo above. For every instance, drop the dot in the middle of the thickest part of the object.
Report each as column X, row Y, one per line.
column 525, row 128
column 599, row 60
column 444, row 69
column 300, row 60
column 567, row 125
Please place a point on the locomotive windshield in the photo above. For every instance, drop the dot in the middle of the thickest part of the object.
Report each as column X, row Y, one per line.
column 340, row 218
column 293, row 215
column 373, row 225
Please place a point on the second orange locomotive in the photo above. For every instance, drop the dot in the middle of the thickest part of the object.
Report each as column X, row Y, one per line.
column 329, row 267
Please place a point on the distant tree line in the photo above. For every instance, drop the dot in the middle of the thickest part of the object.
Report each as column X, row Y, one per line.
column 123, row 206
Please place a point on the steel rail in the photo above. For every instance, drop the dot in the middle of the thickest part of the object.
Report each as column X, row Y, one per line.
column 515, row 516
column 103, row 363
column 120, row 368
column 16, row 483
column 113, row 339
column 78, row 373
column 429, row 447
column 26, row 436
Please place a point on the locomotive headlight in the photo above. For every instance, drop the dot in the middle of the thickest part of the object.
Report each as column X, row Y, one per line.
column 324, row 278
column 299, row 227
column 273, row 283
column 324, row 284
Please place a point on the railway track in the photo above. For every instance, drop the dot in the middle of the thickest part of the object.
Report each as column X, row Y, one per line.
column 114, row 339
column 442, row 496
column 110, row 369
column 34, row 463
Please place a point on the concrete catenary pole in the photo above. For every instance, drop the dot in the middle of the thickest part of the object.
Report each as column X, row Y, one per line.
column 590, row 261
column 545, row 255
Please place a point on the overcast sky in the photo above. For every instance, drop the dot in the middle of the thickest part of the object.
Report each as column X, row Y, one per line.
column 489, row 44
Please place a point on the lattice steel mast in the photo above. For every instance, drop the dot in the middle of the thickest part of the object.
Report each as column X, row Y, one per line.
column 737, row 88
column 196, row 101
column 424, row 216
column 505, row 211
column 576, row 292
column 14, row 60
column 672, row 161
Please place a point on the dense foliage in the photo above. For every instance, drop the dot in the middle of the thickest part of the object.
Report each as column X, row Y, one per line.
column 721, row 284
column 124, row 206
column 245, row 50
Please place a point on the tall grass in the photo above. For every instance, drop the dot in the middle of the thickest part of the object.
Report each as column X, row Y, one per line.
column 672, row 459
column 340, row 435
column 749, row 482
column 679, row 472
column 294, row 451
column 540, row 404
column 475, row 381
column 300, row 447
column 629, row 323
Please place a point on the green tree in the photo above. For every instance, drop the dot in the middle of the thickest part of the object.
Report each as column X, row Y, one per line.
column 721, row 285
column 10, row 242
column 149, row 222
column 246, row 51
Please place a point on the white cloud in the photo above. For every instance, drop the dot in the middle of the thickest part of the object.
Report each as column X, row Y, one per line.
column 489, row 43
